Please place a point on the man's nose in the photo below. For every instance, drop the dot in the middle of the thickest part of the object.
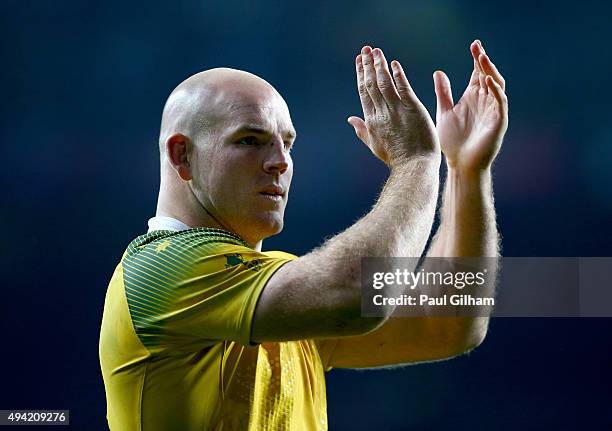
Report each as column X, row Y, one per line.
column 277, row 158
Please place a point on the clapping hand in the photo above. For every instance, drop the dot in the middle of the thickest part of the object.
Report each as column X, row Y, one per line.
column 397, row 126
column 471, row 131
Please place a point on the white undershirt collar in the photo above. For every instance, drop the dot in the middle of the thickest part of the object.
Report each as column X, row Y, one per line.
column 166, row 223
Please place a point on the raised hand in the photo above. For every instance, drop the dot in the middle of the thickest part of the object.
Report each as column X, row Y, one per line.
column 397, row 126
column 471, row 131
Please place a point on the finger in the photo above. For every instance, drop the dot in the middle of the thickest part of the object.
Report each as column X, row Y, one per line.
column 476, row 50
column 360, row 128
column 385, row 81
column 444, row 94
column 474, row 77
column 489, row 68
column 482, row 81
column 366, row 101
column 481, row 46
column 401, row 83
column 498, row 93
column 369, row 75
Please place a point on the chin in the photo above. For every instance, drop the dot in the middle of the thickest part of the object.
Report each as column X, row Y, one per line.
column 270, row 225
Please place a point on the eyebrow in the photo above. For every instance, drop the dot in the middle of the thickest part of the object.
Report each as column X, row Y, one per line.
column 291, row 134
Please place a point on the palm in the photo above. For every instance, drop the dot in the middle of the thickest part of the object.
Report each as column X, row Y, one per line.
column 471, row 131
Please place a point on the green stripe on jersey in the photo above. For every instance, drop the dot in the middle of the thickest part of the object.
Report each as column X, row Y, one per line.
column 154, row 264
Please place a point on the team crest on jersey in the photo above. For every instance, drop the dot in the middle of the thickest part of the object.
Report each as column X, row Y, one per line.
column 237, row 259
column 163, row 246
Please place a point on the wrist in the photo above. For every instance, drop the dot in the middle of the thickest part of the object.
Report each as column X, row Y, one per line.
column 426, row 160
column 479, row 175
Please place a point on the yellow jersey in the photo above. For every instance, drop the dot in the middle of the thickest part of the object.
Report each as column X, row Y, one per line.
column 175, row 347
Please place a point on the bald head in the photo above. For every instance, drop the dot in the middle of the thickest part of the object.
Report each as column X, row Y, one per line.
column 225, row 142
column 198, row 104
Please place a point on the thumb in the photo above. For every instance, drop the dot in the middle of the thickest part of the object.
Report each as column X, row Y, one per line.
column 444, row 95
column 360, row 128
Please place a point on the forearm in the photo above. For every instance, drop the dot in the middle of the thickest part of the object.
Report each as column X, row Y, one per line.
column 467, row 218
column 400, row 222
column 467, row 230
column 398, row 225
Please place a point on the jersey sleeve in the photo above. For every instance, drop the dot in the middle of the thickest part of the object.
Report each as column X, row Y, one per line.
column 193, row 290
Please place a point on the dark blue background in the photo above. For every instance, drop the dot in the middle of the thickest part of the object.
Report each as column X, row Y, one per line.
column 83, row 86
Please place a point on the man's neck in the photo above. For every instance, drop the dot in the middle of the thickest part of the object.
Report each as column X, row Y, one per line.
column 177, row 201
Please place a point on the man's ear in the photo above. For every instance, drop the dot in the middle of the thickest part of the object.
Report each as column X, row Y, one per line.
column 178, row 147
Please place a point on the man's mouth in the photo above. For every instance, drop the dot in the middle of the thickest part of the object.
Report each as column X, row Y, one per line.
column 272, row 196
column 273, row 192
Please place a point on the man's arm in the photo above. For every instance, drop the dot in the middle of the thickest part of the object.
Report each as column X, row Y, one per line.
column 319, row 294
column 467, row 229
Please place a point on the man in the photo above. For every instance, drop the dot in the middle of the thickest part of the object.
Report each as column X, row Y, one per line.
column 204, row 331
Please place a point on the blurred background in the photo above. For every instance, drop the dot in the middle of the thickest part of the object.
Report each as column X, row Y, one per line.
column 83, row 86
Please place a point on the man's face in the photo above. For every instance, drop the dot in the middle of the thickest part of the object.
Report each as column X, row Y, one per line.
column 242, row 173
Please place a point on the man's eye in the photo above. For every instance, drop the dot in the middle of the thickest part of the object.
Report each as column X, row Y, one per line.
column 249, row 140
